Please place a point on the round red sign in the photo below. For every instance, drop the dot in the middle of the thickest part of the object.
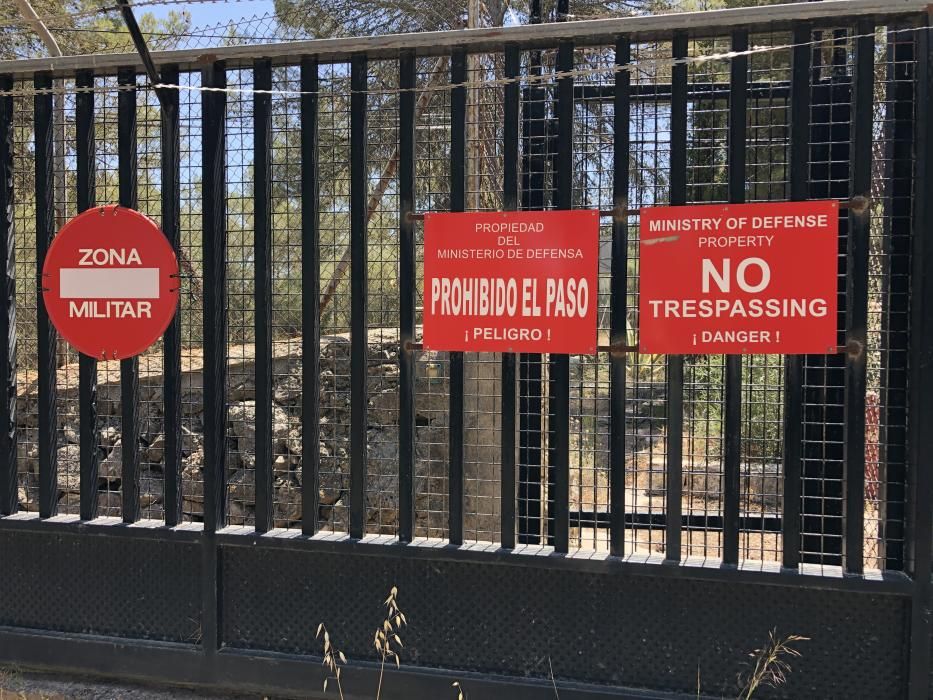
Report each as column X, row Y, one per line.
column 110, row 282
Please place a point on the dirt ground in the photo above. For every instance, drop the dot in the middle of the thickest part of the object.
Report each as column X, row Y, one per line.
column 20, row 685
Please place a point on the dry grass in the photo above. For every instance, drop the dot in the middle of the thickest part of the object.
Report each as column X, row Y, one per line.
column 387, row 642
column 388, row 635
column 772, row 664
column 333, row 659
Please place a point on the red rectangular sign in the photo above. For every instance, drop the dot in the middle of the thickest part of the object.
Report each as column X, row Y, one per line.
column 739, row 278
column 511, row 281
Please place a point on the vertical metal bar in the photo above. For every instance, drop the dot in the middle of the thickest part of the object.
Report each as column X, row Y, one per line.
column 9, row 487
column 262, row 259
column 857, row 304
column 618, row 301
column 310, row 294
column 509, row 203
column 920, row 383
column 675, row 363
column 793, row 364
column 85, row 153
column 213, row 107
column 559, row 469
column 47, row 336
column 360, row 289
column 171, row 344
column 738, row 86
column 214, row 254
column 129, row 369
column 458, row 75
column 407, row 276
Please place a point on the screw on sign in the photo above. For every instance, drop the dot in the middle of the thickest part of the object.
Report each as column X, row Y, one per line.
column 110, row 282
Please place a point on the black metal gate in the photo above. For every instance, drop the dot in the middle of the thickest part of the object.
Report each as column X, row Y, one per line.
column 626, row 523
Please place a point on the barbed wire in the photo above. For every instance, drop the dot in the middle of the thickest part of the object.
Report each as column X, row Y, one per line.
column 116, row 32
column 546, row 77
column 102, row 10
column 150, row 3
column 268, row 27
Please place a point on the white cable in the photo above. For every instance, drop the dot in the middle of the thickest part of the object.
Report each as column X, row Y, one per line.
column 493, row 82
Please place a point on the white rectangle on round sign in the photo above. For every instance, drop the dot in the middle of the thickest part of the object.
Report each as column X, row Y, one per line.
column 109, row 283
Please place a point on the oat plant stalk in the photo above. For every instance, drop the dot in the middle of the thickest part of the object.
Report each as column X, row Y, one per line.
column 387, row 640
column 333, row 659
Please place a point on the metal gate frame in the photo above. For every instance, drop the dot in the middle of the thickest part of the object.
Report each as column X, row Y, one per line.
column 178, row 602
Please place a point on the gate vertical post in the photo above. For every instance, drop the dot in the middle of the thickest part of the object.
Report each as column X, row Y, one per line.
column 214, row 243
column 87, row 366
column 510, row 152
column 310, row 299
column 171, row 344
column 262, row 260
column 675, row 363
column 793, row 364
column 359, row 276
column 458, row 76
column 619, row 310
column 213, row 107
column 738, row 102
column 9, row 477
column 407, row 300
column 920, row 437
column 47, row 335
column 129, row 368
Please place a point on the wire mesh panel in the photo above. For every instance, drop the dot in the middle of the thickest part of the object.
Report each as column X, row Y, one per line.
column 535, row 523
column 151, row 370
column 680, row 481
column 823, row 379
column 645, row 425
column 889, row 264
column 109, row 387
column 482, row 386
column 24, row 222
column 432, row 369
column 704, row 376
column 241, row 310
column 589, row 379
column 286, row 299
column 767, row 175
column 383, row 294
column 191, row 302
column 334, row 136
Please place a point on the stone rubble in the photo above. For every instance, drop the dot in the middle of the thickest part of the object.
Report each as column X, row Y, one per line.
column 589, row 416
column 288, row 447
